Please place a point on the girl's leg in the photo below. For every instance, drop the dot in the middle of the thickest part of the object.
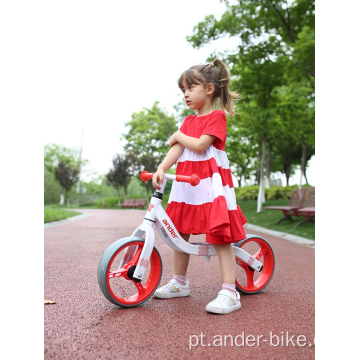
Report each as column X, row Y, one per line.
column 181, row 260
column 228, row 299
column 227, row 262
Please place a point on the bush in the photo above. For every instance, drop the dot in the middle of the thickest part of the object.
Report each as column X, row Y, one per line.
column 88, row 203
column 279, row 192
column 111, row 202
column 247, row 192
column 274, row 193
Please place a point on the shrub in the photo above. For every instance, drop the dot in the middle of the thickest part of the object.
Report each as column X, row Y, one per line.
column 88, row 203
column 247, row 192
column 274, row 193
column 109, row 202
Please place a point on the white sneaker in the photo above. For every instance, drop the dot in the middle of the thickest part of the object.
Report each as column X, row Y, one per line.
column 225, row 302
column 173, row 289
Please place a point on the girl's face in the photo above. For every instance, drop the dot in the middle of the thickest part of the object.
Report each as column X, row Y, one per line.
column 195, row 95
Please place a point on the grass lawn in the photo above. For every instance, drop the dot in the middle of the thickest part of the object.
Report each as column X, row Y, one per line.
column 52, row 214
column 266, row 219
column 269, row 218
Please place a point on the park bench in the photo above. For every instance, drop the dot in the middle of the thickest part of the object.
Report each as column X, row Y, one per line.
column 308, row 212
column 127, row 203
column 140, row 203
column 300, row 199
column 137, row 203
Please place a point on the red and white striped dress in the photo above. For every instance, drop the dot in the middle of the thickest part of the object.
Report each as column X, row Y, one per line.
column 210, row 207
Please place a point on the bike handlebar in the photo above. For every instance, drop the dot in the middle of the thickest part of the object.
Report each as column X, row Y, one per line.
column 193, row 179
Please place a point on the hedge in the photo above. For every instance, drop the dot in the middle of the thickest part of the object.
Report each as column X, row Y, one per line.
column 111, row 202
column 274, row 193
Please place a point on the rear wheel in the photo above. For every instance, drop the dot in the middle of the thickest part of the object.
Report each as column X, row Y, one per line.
column 247, row 280
column 116, row 269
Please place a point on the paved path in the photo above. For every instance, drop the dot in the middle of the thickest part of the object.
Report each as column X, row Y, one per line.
column 84, row 325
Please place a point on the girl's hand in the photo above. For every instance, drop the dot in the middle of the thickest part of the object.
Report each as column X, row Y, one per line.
column 159, row 175
column 173, row 140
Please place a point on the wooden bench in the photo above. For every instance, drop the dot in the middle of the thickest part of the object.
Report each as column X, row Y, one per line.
column 127, row 203
column 308, row 212
column 140, row 203
column 137, row 203
column 300, row 198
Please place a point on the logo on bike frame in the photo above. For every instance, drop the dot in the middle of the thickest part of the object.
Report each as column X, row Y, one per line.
column 151, row 206
column 171, row 230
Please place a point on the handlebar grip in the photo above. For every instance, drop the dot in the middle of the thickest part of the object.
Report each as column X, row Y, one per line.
column 145, row 175
column 193, row 179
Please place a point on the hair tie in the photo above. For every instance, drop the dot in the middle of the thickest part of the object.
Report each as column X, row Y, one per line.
column 212, row 64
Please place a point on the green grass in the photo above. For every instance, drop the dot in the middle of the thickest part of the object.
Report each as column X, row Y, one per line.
column 266, row 219
column 57, row 214
column 72, row 206
column 269, row 218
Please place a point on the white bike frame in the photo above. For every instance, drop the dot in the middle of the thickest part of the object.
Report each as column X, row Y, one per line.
column 157, row 216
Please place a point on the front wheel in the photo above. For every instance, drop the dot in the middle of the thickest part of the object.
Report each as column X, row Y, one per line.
column 247, row 280
column 116, row 268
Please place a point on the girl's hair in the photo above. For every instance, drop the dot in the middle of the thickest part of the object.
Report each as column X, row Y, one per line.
column 206, row 74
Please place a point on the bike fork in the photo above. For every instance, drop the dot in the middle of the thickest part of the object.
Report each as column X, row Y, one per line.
column 144, row 258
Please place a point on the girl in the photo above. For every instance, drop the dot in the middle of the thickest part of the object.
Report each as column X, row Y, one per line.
column 210, row 207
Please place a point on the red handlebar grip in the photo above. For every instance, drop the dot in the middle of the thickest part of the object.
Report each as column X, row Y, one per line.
column 193, row 179
column 145, row 175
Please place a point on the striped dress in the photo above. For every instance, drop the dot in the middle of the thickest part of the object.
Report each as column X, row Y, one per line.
column 210, row 207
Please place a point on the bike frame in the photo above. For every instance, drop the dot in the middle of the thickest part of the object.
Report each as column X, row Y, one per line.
column 156, row 215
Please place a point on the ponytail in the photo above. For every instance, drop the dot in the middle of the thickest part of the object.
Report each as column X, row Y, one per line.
column 224, row 92
column 220, row 78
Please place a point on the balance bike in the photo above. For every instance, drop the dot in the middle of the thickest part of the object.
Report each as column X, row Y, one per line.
column 130, row 269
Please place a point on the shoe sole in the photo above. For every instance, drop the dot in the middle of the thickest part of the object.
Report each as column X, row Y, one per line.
column 223, row 311
column 171, row 295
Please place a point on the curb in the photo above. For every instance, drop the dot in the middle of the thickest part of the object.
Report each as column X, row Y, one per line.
column 294, row 238
column 52, row 224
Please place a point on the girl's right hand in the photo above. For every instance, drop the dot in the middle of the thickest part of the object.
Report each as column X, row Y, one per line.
column 159, row 175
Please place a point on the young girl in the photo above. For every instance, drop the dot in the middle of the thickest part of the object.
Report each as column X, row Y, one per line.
column 210, row 207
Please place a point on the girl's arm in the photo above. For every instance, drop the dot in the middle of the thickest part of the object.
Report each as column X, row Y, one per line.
column 192, row 143
column 172, row 157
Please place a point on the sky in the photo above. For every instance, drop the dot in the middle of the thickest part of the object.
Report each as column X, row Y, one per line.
column 107, row 60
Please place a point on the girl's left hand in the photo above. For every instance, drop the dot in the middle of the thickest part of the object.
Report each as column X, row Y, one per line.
column 173, row 140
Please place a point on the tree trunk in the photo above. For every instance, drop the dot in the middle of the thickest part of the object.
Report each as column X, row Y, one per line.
column 118, row 192
column 257, row 177
column 67, row 199
column 287, row 173
column 61, row 197
column 268, row 169
column 303, row 163
column 306, row 176
column 261, row 195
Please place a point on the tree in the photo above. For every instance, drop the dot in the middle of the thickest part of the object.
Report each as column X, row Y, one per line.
column 253, row 21
column 120, row 175
column 147, row 139
column 66, row 176
column 54, row 154
column 296, row 109
column 277, row 48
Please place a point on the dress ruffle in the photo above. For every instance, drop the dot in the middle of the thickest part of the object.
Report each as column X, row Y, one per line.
column 214, row 219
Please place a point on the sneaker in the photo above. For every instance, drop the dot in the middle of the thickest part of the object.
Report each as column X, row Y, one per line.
column 173, row 289
column 225, row 302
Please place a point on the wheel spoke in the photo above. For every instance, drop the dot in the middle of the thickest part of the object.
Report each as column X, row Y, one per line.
column 136, row 256
column 139, row 287
column 250, row 278
column 260, row 253
column 117, row 273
